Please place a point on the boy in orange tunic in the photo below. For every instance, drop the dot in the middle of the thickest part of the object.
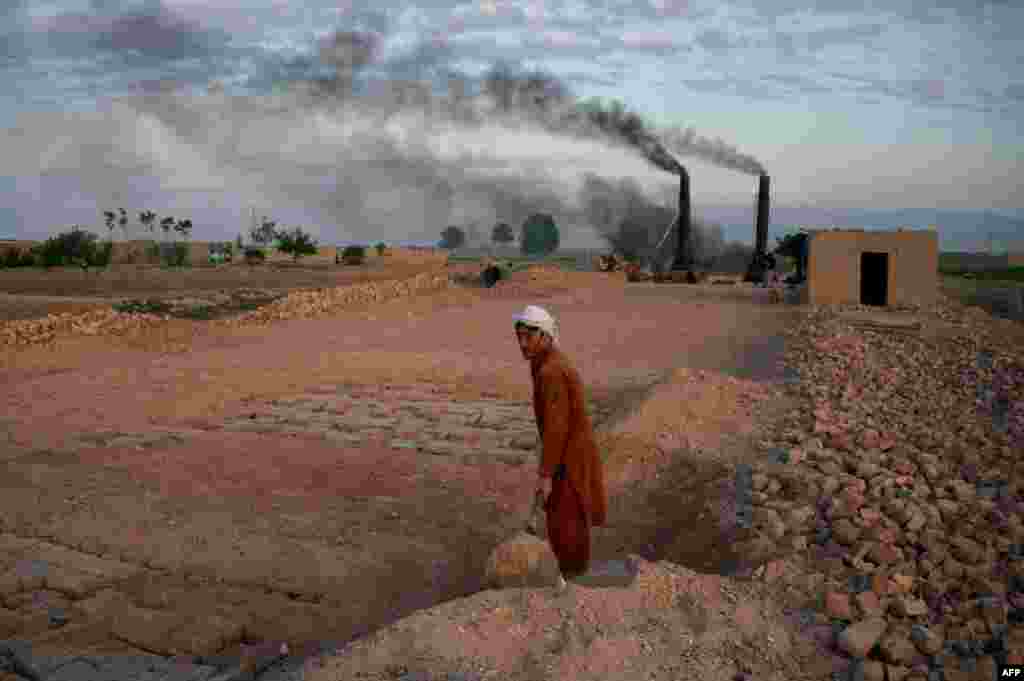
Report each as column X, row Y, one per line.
column 570, row 477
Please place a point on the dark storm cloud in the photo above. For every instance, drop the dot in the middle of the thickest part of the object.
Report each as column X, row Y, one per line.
column 585, row 79
column 818, row 40
column 152, row 35
column 753, row 89
column 796, row 82
column 1015, row 92
column 714, row 40
column 14, row 47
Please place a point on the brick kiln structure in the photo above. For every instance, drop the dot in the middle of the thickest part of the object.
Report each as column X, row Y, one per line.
column 884, row 268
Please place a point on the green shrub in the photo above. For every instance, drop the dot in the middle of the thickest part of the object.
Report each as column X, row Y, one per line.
column 180, row 256
column 153, row 252
column 254, row 255
column 100, row 257
column 77, row 246
column 50, row 253
column 354, row 252
column 151, row 306
column 381, row 247
column 13, row 258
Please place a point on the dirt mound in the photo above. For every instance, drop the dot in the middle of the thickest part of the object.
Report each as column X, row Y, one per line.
column 673, row 623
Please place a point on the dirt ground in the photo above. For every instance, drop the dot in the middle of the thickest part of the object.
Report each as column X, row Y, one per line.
column 321, row 478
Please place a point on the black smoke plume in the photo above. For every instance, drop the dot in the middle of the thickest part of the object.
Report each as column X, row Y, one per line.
column 634, row 225
column 370, row 151
column 551, row 100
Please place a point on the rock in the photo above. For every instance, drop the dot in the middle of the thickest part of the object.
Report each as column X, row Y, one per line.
column 897, row 649
column 916, row 522
column 905, row 606
column 986, row 668
column 845, row 532
column 870, row 517
column 776, row 529
column 897, row 672
column 967, row 551
column 884, row 553
column 952, row 569
column 949, row 509
column 926, row 640
column 522, row 561
column 837, row 605
column 902, row 584
column 831, row 483
column 857, row 639
column 869, row 605
column 800, row 517
column 874, row 671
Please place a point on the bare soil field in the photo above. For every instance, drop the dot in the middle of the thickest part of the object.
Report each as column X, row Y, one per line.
column 314, row 480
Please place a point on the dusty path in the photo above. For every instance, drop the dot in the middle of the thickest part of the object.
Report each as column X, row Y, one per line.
column 317, row 479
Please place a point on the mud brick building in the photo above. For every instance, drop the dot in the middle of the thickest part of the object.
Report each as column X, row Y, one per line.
column 892, row 267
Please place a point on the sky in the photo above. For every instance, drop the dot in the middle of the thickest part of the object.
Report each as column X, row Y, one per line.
column 208, row 109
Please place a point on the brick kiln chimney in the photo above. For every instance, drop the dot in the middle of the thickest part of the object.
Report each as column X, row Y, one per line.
column 763, row 215
column 684, row 256
column 761, row 260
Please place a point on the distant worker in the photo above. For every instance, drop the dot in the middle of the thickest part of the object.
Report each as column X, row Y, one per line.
column 570, row 475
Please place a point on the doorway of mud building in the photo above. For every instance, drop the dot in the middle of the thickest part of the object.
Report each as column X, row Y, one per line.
column 874, row 278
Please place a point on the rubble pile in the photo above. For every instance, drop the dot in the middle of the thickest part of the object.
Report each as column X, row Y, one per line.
column 31, row 332
column 315, row 303
column 897, row 477
column 297, row 305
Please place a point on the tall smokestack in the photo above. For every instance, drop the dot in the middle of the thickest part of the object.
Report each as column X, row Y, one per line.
column 763, row 215
column 760, row 262
column 684, row 258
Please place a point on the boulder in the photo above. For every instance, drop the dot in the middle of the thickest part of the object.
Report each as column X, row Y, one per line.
column 522, row 561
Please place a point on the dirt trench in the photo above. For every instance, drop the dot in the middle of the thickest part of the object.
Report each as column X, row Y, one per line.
column 254, row 527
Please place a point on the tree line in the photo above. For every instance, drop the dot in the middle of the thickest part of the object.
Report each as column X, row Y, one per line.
column 538, row 235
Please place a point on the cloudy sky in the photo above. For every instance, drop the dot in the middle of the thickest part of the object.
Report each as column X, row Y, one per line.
column 194, row 108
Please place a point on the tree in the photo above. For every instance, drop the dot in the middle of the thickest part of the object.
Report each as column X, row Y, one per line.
column 265, row 233
column 166, row 224
column 632, row 239
column 123, row 223
column 473, row 235
column 75, row 247
column 452, row 238
column 790, row 245
column 184, row 228
column 794, row 245
column 503, row 233
column 240, row 243
column 296, row 243
column 108, row 217
column 539, row 235
column 147, row 217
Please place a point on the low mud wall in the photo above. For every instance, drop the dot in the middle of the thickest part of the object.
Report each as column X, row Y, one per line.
column 297, row 305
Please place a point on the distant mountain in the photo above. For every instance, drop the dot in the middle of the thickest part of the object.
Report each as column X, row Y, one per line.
column 965, row 231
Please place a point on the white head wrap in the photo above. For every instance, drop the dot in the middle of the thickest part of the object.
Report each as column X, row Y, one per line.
column 539, row 318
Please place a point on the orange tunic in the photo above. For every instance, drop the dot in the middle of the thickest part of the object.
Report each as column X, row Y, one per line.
column 569, row 455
